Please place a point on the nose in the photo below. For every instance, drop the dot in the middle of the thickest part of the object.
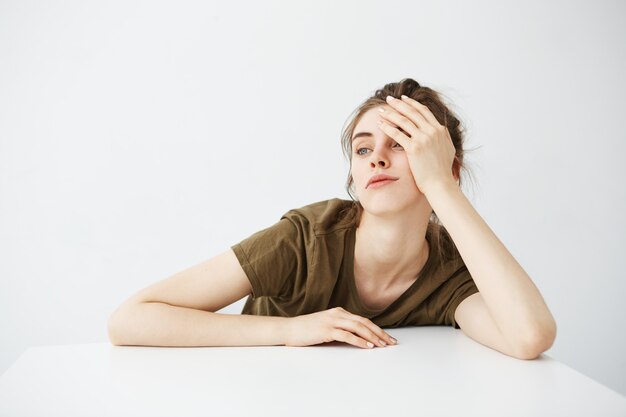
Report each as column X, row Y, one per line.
column 378, row 158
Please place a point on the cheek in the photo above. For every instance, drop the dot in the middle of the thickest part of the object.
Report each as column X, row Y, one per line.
column 401, row 158
column 359, row 177
column 400, row 162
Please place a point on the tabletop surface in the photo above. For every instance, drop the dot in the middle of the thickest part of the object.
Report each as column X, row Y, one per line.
column 432, row 371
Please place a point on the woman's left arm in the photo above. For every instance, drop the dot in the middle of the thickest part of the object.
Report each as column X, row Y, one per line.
column 512, row 299
column 508, row 313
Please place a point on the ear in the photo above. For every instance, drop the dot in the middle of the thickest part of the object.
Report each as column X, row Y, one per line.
column 456, row 168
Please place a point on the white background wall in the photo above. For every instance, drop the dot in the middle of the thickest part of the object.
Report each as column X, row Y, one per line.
column 140, row 138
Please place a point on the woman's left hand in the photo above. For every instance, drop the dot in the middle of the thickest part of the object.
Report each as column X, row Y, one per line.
column 428, row 147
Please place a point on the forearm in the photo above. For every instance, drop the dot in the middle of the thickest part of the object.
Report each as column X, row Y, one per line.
column 513, row 300
column 159, row 324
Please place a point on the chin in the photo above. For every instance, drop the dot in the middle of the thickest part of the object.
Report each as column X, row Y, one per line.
column 381, row 204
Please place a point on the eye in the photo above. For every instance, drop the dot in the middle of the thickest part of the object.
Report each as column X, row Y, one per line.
column 358, row 151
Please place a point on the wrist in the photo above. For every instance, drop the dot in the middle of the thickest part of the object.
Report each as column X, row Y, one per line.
column 285, row 330
column 440, row 186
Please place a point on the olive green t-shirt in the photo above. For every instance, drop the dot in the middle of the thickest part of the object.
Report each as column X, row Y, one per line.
column 304, row 263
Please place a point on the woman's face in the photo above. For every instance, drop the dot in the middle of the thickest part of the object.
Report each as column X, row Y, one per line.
column 378, row 153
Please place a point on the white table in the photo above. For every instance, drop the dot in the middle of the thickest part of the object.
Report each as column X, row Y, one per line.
column 433, row 371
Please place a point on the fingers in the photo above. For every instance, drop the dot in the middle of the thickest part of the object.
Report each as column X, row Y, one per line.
column 380, row 333
column 351, row 338
column 415, row 111
column 423, row 109
column 406, row 123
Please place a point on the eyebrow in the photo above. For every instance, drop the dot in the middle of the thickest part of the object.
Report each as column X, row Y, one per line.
column 369, row 134
column 358, row 135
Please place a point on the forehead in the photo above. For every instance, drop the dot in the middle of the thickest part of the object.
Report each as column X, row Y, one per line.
column 369, row 123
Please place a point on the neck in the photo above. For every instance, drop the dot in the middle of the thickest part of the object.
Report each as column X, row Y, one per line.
column 391, row 250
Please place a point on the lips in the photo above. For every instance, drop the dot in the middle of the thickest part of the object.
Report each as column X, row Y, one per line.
column 379, row 177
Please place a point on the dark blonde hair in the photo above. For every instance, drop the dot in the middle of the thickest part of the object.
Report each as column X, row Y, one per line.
column 438, row 237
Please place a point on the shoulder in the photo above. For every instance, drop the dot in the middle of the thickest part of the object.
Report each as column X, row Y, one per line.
column 324, row 216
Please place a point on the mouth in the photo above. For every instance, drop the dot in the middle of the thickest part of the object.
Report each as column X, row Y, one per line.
column 378, row 184
column 380, row 177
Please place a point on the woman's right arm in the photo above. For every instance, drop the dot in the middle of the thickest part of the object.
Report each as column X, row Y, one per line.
column 180, row 310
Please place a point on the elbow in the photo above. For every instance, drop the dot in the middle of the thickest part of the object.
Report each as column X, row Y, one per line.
column 528, row 353
column 539, row 340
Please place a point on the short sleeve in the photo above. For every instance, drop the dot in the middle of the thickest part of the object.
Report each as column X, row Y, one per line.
column 272, row 257
column 462, row 286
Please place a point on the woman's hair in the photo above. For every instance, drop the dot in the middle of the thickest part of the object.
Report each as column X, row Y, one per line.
column 439, row 238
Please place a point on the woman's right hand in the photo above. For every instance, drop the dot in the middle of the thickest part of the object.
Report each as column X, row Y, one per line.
column 335, row 324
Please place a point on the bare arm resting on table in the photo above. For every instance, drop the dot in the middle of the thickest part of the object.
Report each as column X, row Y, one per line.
column 508, row 313
column 180, row 311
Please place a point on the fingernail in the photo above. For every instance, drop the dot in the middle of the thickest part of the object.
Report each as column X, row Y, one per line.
column 394, row 340
column 390, row 98
column 382, row 342
column 370, row 344
column 380, row 109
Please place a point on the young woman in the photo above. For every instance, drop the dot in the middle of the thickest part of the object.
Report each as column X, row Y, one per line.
column 410, row 250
